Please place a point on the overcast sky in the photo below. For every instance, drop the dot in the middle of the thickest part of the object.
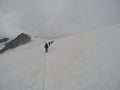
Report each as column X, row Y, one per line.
column 56, row 18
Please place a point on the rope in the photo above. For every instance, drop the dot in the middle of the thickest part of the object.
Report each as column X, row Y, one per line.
column 44, row 69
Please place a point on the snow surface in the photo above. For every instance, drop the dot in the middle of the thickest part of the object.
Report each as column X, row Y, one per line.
column 88, row 61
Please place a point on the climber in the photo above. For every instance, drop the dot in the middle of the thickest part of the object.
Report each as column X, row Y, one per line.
column 46, row 47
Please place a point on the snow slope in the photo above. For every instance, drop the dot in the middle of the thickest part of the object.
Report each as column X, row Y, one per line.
column 88, row 61
column 22, row 68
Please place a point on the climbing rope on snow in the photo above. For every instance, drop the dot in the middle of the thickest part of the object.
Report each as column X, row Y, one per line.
column 44, row 74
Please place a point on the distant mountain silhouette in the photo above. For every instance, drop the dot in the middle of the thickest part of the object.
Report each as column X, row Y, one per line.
column 19, row 40
column 3, row 40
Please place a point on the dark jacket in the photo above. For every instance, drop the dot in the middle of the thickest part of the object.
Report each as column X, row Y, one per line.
column 46, row 46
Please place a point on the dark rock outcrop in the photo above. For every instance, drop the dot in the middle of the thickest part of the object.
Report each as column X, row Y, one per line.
column 3, row 40
column 19, row 40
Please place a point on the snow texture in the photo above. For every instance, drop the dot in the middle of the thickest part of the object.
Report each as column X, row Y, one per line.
column 84, row 56
column 88, row 61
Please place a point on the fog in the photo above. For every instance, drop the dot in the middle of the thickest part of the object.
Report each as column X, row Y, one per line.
column 56, row 18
